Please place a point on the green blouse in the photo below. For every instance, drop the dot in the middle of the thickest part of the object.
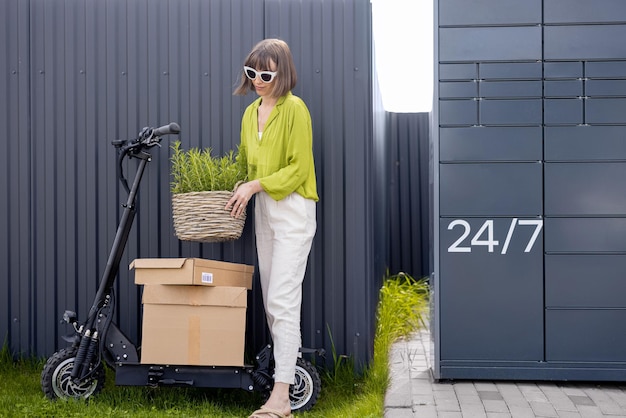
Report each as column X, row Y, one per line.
column 282, row 159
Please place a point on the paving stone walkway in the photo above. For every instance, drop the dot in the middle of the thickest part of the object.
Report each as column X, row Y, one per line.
column 414, row 393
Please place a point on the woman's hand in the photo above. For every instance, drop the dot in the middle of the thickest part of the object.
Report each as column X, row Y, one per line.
column 242, row 195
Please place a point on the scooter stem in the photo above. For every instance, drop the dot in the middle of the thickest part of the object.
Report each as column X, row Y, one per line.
column 119, row 244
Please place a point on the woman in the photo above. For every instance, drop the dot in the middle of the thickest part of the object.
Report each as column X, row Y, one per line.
column 276, row 141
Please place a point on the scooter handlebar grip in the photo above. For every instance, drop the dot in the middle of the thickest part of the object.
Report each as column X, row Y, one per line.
column 172, row 128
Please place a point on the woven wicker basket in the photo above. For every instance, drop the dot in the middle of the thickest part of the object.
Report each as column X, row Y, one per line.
column 200, row 216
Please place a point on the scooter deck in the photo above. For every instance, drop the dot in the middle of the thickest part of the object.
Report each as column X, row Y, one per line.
column 137, row 374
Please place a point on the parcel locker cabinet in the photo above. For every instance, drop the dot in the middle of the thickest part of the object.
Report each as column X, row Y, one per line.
column 529, row 187
column 491, row 292
column 585, row 305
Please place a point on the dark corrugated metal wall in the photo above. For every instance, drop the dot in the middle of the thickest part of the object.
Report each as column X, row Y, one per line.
column 408, row 141
column 82, row 73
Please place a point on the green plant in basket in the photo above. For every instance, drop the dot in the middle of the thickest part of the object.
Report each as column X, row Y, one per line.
column 201, row 186
column 198, row 170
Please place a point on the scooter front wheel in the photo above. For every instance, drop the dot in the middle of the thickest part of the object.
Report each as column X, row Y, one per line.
column 57, row 382
column 307, row 385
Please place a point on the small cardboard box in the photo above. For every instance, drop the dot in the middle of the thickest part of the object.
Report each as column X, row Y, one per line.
column 189, row 271
column 193, row 325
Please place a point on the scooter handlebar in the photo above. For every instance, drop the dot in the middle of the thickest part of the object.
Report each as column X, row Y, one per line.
column 170, row 129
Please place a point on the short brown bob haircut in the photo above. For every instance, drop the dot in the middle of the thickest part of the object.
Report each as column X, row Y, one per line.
column 260, row 59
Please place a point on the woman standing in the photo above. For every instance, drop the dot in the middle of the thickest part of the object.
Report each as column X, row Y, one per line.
column 276, row 141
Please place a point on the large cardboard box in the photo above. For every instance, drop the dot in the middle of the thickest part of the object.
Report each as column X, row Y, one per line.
column 193, row 325
column 189, row 271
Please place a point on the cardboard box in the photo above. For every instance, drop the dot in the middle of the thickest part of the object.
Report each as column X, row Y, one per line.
column 193, row 325
column 189, row 271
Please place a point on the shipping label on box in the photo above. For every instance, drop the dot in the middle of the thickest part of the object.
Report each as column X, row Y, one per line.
column 207, row 278
column 191, row 271
column 193, row 325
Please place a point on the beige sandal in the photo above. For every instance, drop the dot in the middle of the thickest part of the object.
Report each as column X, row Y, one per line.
column 264, row 412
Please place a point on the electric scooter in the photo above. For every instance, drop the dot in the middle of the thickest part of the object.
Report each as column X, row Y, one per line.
column 77, row 371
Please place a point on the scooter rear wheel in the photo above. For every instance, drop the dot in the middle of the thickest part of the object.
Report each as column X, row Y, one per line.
column 56, row 377
column 306, row 389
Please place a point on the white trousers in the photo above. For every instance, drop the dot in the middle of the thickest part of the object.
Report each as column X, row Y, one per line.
column 284, row 232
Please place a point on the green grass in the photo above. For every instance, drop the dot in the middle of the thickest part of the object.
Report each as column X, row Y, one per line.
column 344, row 394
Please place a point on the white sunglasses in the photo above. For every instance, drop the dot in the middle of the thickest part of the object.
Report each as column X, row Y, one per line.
column 266, row 76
